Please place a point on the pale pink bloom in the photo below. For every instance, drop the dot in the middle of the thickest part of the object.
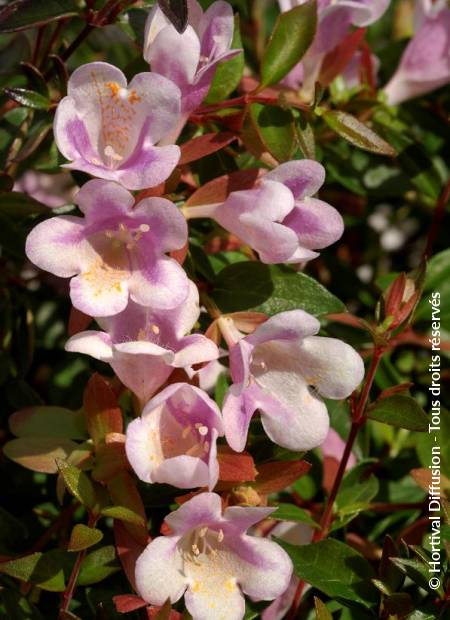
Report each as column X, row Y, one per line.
column 109, row 128
column 53, row 190
column 335, row 19
column 282, row 369
column 144, row 345
column 425, row 63
column 174, row 440
column 116, row 252
column 212, row 561
column 190, row 59
column 280, row 218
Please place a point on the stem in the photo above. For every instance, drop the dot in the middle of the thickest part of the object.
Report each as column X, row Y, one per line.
column 229, row 331
column 358, row 422
column 37, row 45
column 55, row 34
column 200, row 211
column 70, row 589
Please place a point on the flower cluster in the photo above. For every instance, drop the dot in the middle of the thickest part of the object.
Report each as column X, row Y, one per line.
column 122, row 258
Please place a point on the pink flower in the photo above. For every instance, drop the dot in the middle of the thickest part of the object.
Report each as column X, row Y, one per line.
column 282, row 369
column 53, row 190
column 335, row 18
column 279, row 218
column 174, row 440
column 212, row 561
column 190, row 59
column 425, row 63
column 144, row 345
column 115, row 251
column 109, row 129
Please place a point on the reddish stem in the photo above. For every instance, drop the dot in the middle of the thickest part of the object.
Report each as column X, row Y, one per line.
column 358, row 421
column 71, row 585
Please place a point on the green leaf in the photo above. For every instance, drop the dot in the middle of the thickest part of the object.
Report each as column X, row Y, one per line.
column 39, row 453
column 78, row 484
column 47, row 570
column 23, row 14
column 292, row 35
column 357, row 490
column 416, row 570
column 438, row 270
column 229, row 73
column 16, row 204
column 269, row 128
column 28, row 98
column 122, row 513
column 400, row 411
column 335, row 569
column 290, row 512
column 355, row 132
column 48, row 422
column 251, row 285
column 83, row 537
column 98, row 565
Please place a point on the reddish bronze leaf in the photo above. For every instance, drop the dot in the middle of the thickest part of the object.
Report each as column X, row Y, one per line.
column 103, row 414
column 235, row 466
column 274, row 477
column 204, row 145
column 218, row 189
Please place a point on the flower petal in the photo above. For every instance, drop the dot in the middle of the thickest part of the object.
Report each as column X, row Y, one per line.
column 216, row 29
column 195, row 349
column 184, row 472
column 303, row 177
column 142, row 448
column 102, row 200
column 217, row 597
column 99, row 292
column 164, row 285
column 316, row 223
column 93, row 343
column 178, row 67
column 202, row 509
column 58, row 246
column 142, row 374
column 238, row 408
column 168, row 228
column 289, row 325
column 332, row 366
column 159, row 573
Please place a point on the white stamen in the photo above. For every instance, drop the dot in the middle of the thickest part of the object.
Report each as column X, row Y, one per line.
column 220, row 536
column 144, row 228
column 155, row 329
column 203, row 430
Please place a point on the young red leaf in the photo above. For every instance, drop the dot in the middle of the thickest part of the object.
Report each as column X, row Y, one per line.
column 102, row 409
column 336, row 61
column 78, row 322
column 125, row 603
column 123, row 492
column 128, row 550
column 235, row 466
column 218, row 189
column 274, row 477
column 204, row 145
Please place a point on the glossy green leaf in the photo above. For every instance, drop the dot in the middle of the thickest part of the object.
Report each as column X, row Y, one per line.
column 23, row 14
column 356, row 132
column 123, row 514
column 335, row 569
column 271, row 289
column 357, row 490
column 322, row 612
column 78, row 483
column 48, row 422
column 83, row 537
column 16, row 204
column 229, row 73
column 47, row 570
column 400, row 411
column 39, row 453
column 28, row 98
column 291, row 37
column 98, row 565
column 269, row 128
column 290, row 512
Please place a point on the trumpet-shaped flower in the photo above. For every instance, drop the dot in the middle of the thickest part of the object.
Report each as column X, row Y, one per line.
column 144, row 345
column 115, row 251
column 425, row 63
column 282, row 369
column 335, row 18
column 279, row 218
column 109, row 129
column 174, row 440
column 212, row 561
column 190, row 59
